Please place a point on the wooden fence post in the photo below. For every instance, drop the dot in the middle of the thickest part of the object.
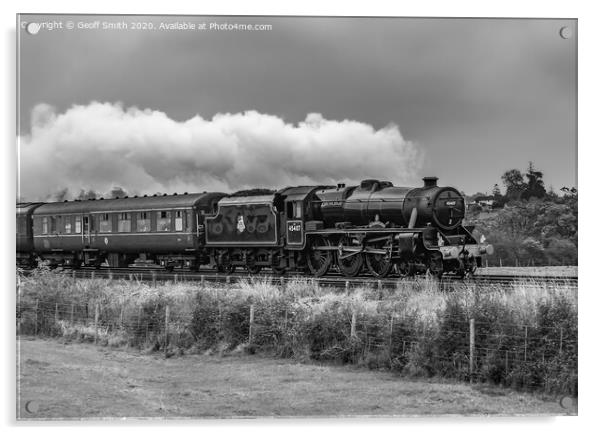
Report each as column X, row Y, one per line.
column 35, row 326
column 501, row 262
column 139, row 319
column 219, row 314
column 379, row 285
column 121, row 316
column 526, row 333
column 131, row 277
column 110, row 275
column 96, row 314
column 175, row 278
column 282, row 281
column 166, row 329
column 316, row 286
column 472, row 348
column 251, row 321
column 391, row 334
column 92, row 274
column 353, row 324
column 228, row 279
column 561, row 333
column 202, row 281
column 72, row 312
column 506, row 362
column 347, row 286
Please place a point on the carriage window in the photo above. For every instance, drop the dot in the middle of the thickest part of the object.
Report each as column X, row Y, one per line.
column 105, row 223
column 143, row 224
column 298, row 209
column 78, row 224
column 44, row 225
column 289, row 210
column 179, row 220
column 67, row 224
column 52, row 224
column 124, row 224
column 163, row 221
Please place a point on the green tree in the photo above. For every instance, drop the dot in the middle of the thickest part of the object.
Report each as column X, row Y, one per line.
column 90, row 194
column 117, row 192
column 496, row 190
column 515, row 184
column 535, row 187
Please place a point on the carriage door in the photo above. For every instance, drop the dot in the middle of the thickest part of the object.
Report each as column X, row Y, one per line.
column 294, row 223
column 87, row 228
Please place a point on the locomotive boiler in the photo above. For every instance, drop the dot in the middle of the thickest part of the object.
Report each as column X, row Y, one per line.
column 379, row 201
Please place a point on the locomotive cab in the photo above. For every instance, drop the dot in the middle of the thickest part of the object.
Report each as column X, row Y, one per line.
column 300, row 213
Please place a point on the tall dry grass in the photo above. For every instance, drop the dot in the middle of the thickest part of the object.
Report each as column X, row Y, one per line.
column 526, row 334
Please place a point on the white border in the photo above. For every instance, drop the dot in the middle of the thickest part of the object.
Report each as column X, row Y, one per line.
column 589, row 183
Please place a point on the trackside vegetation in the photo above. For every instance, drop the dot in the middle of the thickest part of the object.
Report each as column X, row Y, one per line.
column 522, row 336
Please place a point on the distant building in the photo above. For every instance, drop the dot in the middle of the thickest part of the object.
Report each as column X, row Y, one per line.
column 482, row 202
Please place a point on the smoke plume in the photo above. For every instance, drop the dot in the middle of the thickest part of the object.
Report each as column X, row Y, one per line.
column 102, row 145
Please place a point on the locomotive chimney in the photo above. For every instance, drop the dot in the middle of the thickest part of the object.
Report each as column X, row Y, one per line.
column 430, row 181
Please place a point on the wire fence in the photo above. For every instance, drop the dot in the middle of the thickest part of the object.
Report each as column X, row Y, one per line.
column 468, row 348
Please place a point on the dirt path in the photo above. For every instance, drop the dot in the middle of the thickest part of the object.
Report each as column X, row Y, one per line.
column 86, row 381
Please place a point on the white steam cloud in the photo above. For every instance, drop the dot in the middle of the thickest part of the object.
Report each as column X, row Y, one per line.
column 102, row 145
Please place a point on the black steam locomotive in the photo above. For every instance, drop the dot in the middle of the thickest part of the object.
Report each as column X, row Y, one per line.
column 375, row 227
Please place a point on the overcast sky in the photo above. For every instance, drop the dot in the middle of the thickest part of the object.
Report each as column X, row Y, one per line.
column 343, row 98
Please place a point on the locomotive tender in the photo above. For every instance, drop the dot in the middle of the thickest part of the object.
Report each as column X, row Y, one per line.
column 374, row 226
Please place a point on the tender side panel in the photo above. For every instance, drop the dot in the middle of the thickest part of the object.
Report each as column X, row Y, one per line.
column 243, row 224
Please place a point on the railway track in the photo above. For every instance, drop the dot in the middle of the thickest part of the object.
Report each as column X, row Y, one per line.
column 208, row 275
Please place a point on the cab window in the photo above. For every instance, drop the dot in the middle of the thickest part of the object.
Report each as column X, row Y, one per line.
column 298, row 209
column 294, row 209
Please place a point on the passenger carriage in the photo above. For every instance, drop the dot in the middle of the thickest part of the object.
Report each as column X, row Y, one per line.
column 166, row 230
